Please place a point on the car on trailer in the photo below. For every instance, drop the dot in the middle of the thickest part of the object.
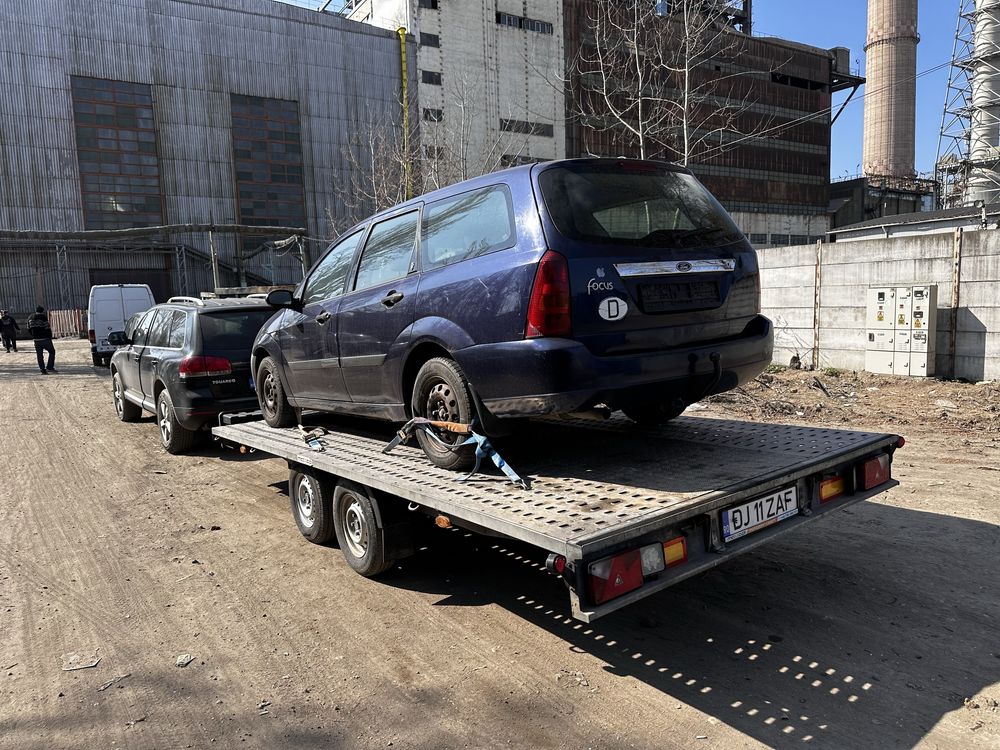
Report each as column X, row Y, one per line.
column 552, row 288
column 186, row 361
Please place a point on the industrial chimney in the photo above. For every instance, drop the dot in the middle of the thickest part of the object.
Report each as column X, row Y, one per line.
column 984, row 128
column 891, row 91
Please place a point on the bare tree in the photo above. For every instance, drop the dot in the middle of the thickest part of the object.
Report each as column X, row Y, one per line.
column 663, row 86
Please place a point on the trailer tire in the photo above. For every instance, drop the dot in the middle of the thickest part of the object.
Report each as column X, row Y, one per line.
column 361, row 538
column 271, row 396
column 312, row 506
column 441, row 392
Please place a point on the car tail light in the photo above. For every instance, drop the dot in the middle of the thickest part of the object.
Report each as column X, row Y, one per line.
column 831, row 488
column 92, row 336
column 203, row 366
column 675, row 551
column 548, row 308
column 876, row 471
column 614, row 576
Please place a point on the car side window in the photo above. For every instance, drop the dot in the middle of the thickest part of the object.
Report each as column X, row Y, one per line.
column 131, row 324
column 467, row 225
column 178, row 325
column 331, row 273
column 388, row 254
column 142, row 328
column 159, row 331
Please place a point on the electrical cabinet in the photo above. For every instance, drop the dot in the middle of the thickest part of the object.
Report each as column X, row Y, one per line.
column 901, row 326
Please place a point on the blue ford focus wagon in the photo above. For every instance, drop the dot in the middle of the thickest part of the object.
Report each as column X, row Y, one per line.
column 551, row 288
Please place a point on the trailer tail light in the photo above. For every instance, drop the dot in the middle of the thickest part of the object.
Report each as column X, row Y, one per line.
column 876, row 471
column 675, row 551
column 92, row 335
column 831, row 488
column 614, row 576
column 204, row 366
column 548, row 308
column 555, row 564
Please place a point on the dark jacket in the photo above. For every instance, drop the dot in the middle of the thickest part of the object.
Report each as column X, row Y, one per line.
column 38, row 325
column 8, row 326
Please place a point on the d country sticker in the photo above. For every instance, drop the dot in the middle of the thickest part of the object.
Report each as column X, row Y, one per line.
column 612, row 308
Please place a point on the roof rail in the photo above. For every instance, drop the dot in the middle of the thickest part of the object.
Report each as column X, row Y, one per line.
column 188, row 301
column 257, row 295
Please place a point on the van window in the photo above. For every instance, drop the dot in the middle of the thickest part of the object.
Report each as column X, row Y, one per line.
column 467, row 225
column 634, row 203
column 388, row 253
column 328, row 279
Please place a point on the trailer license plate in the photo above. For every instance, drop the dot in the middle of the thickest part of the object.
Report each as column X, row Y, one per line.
column 758, row 514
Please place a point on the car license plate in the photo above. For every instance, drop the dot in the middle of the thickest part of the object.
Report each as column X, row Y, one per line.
column 758, row 514
column 678, row 296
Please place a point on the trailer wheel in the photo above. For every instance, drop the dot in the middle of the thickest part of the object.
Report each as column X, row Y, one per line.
column 361, row 538
column 312, row 506
column 271, row 395
column 441, row 392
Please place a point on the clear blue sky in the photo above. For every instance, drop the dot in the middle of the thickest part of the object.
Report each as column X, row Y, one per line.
column 842, row 24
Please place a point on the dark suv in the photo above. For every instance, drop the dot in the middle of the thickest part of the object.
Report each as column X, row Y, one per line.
column 548, row 288
column 187, row 361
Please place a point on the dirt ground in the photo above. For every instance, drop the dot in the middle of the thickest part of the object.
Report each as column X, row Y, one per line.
column 876, row 628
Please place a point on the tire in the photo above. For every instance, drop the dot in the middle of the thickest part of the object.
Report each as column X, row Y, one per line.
column 271, row 396
column 361, row 539
column 441, row 392
column 654, row 414
column 97, row 359
column 312, row 506
column 175, row 438
column 126, row 410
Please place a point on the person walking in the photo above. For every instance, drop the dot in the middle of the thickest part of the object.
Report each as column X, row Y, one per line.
column 41, row 332
column 8, row 331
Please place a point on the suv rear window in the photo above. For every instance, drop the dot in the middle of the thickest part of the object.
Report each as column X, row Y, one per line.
column 634, row 203
column 232, row 330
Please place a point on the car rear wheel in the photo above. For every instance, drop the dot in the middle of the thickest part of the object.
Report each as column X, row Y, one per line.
column 174, row 437
column 97, row 359
column 271, row 396
column 653, row 414
column 126, row 410
column 441, row 393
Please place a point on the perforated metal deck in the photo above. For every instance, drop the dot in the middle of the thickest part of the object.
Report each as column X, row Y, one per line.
column 592, row 484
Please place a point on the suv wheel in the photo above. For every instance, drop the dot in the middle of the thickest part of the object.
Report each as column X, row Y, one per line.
column 441, row 392
column 271, row 395
column 175, row 438
column 653, row 414
column 127, row 411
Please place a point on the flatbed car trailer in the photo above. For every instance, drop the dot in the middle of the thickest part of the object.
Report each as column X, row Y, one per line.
column 622, row 511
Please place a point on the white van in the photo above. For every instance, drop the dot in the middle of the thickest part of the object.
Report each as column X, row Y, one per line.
column 109, row 307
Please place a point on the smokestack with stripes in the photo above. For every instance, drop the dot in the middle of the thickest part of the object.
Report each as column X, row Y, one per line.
column 891, row 93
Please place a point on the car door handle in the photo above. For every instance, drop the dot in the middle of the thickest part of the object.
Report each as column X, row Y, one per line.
column 392, row 298
column 323, row 317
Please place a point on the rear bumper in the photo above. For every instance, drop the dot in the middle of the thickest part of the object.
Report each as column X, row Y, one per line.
column 546, row 376
column 195, row 413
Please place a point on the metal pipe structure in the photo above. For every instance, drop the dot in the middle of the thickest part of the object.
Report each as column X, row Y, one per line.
column 891, row 93
column 984, row 125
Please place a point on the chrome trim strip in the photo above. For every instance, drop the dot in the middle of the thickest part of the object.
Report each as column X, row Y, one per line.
column 675, row 267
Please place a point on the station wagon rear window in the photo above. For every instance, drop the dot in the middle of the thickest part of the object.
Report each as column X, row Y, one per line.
column 467, row 225
column 634, row 203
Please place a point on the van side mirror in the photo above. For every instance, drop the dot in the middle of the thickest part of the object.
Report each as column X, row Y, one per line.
column 118, row 338
column 283, row 298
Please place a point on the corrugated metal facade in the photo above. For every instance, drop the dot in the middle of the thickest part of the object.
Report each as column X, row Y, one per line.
column 194, row 54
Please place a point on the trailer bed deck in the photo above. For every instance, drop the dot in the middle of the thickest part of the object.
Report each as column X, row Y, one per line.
column 593, row 484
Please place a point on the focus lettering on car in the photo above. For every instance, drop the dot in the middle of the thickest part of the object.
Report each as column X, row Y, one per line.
column 599, row 286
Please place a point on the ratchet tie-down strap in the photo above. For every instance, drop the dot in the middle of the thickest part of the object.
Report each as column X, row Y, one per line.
column 484, row 449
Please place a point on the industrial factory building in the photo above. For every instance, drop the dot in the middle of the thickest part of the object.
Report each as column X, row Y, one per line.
column 175, row 112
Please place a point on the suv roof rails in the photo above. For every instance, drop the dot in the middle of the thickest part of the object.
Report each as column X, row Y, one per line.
column 187, row 300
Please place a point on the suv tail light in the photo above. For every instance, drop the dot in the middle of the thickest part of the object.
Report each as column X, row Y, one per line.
column 548, row 308
column 201, row 366
column 92, row 336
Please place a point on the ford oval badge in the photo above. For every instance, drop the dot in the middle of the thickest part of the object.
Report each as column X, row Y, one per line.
column 683, row 266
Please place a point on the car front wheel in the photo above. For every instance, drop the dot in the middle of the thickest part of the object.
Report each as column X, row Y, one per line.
column 271, row 395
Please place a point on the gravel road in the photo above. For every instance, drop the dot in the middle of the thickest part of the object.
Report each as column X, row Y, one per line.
column 876, row 628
